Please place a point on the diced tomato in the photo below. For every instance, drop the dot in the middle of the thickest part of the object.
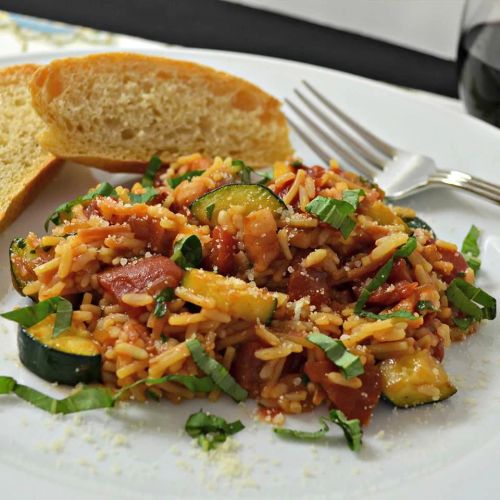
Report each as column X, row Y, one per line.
column 148, row 275
column 458, row 261
column 309, row 282
column 390, row 293
column 221, row 251
column 438, row 350
column 316, row 172
column 400, row 272
column 246, row 367
column 92, row 209
column 260, row 238
column 148, row 229
column 355, row 403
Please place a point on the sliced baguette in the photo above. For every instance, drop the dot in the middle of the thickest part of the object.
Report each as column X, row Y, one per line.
column 24, row 166
column 115, row 111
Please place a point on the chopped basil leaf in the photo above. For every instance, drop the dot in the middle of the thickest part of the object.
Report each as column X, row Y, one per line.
column 349, row 364
column 92, row 398
column 210, row 429
column 368, row 182
column 337, row 213
column 221, row 377
column 304, row 435
column 395, row 314
column 148, row 178
column 418, row 223
column 462, row 323
column 64, row 313
column 304, row 379
column 147, row 196
column 151, row 395
column 470, row 249
column 296, row 164
column 351, row 428
column 190, row 382
column 166, row 295
column 175, row 181
column 31, row 315
column 163, row 337
column 468, row 299
column 265, row 179
column 244, row 171
column 383, row 273
column 87, row 398
column 425, row 305
column 104, row 189
column 210, row 210
column 352, row 196
column 188, row 252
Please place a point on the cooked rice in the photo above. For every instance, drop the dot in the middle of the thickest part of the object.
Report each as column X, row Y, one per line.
column 139, row 344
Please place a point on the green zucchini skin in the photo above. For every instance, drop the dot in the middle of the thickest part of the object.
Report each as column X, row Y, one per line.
column 401, row 378
column 57, row 366
column 251, row 197
column 18, row 248
column 418, row 223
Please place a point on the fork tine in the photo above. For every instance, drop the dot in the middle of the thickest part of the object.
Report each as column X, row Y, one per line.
column 347, row 138
column 360, row 165
column 310, row 142
column 372, row 139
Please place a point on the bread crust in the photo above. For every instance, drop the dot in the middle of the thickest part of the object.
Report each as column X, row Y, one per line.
column 48, row 84
column 22, row 193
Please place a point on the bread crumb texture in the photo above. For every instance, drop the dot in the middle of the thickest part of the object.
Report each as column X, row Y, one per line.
column 24, row 165
column 117, row 110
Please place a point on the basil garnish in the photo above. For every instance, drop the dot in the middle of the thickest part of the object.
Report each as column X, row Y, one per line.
column 351, row 428
column 221, row 377
column 31, row 315
column 425, row 305
column 468, row 299
column 147, row 196
column 188, row 252
column 210, row 429
column 104, row 189
column 166, row 295
column 395, row 314
column 349, row 364
column 92, row 398
column 337, row 213
column 175, row 181
column 470, row 249
column 148, row 178
column 87, row 398
column 383, row 273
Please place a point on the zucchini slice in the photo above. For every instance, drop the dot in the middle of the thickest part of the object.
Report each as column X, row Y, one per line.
column 415, row 379
column 250, row 197
column 20, row 253
column 232, row 295
column 70, row 359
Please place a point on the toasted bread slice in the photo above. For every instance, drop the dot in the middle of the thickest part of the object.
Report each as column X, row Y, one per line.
column 116, row 110
column 23, row 163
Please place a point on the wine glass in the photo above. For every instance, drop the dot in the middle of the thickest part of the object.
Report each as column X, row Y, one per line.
column 479, row 59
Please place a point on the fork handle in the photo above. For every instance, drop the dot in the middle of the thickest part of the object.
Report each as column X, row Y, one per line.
column 468, row 183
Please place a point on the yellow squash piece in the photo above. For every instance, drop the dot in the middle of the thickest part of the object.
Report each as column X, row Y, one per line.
column 415, row 379
column 233, row 296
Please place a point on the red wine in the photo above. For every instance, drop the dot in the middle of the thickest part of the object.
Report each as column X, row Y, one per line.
column 479, row 72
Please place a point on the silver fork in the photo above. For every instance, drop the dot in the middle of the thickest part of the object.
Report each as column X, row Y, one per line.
column 399, row 173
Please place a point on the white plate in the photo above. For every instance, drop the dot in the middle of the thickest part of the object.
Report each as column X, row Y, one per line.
column 451, row 449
